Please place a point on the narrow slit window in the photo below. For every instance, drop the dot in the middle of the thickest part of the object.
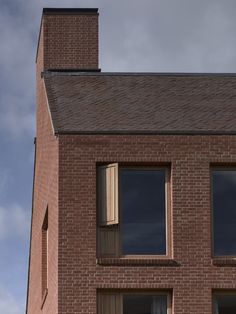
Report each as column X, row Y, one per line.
column 45, row 254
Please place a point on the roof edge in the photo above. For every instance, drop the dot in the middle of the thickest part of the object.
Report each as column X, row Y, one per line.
column 31, row 225
column 78, row 72
column 63, row 11
column 48, row 108
column 52, row 72
column 121, row 132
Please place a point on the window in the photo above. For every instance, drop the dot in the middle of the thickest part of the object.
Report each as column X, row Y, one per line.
column 132, row 216
column 45, row 255
column 224, row 211
column 134, row 303
column 224, row 303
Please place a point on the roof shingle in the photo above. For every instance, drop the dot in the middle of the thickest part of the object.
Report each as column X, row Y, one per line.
column 141, row 103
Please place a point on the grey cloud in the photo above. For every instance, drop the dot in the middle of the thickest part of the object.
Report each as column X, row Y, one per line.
column 8, row 304
column 14, row 222
column 17, row 75
column 170, row 36
column 5, row 181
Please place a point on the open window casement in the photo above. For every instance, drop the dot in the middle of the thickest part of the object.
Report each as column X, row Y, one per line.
column 108, row 195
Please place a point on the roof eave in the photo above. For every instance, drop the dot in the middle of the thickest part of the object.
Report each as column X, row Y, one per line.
column 137, row 132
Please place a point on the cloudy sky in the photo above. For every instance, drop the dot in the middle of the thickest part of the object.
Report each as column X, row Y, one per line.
column 135, row 35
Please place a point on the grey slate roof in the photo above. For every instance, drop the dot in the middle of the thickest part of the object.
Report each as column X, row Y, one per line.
column 141, row 103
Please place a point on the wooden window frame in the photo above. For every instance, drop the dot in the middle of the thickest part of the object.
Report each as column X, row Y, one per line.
column 217, row 168
column 122, row 292
column 117, row 227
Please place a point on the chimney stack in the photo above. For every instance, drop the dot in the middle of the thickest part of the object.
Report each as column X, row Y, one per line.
column 68, row 40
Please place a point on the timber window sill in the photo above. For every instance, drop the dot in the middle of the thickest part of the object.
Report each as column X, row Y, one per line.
column 224, row 261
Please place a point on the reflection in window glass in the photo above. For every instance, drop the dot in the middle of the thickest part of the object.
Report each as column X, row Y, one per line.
column 225, row 304
column 143, row 221
column 224, row 212
column 144, row 304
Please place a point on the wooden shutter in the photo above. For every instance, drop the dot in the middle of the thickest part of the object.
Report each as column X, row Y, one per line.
column 109, row 303
column 108, row 194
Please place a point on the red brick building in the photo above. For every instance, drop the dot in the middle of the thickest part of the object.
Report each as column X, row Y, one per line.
column 134, row 185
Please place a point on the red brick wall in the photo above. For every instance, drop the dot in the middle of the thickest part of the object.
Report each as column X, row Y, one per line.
column 194, row 276
column 69, row 41
column 45, row 194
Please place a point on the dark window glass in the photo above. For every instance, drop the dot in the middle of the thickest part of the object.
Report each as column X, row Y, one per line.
column 225, row 304
column 143, row 221
column 144, row 304
column 224, row 212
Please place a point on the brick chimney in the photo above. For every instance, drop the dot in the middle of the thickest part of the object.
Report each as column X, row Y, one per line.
column 68, row 40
